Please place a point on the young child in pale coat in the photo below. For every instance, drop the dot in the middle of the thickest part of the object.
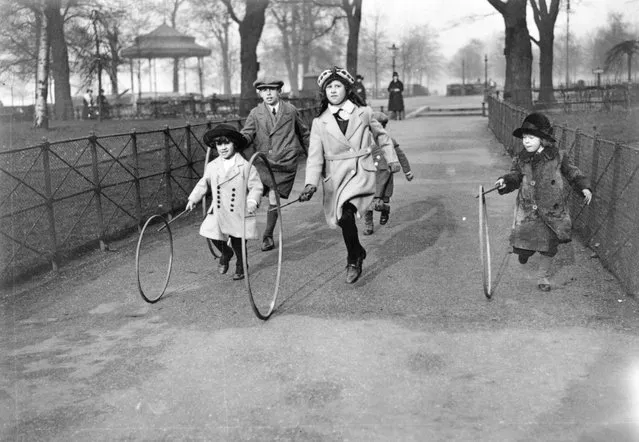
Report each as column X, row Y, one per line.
column 542, row 219
column 225, row 176
column 340, row 154
column 385, row 183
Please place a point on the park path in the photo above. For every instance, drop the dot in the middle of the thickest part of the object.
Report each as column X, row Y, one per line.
column 412, row 351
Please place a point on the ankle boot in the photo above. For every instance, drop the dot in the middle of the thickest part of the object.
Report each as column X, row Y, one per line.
column 368, row 222
column 271, row 220
column 383, row 217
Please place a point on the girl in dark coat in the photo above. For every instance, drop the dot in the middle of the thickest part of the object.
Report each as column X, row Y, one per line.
column 396, row 97
column 542, row 220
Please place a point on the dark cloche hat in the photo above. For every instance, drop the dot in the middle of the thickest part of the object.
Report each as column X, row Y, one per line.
column 225, row 130
column 359, row 77
column 268, row 82
column 535, row 124
column 395, row 74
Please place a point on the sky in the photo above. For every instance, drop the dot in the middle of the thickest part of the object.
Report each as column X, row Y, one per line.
column 450, row 17
column 457, row 22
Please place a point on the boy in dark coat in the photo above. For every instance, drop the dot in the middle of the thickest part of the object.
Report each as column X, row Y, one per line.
column 542, row 220
column 275, row 128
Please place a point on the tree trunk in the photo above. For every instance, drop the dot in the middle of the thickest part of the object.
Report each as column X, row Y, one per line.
column 546, row 57
column 354, row 16
column 250, row 32
column 112, row 69
column 59, row 62
column 41, row 114
column 518, row 52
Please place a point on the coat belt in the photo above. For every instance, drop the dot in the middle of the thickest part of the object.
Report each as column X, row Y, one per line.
column 347, row 155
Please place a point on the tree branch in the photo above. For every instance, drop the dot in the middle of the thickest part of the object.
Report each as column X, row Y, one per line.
column 229, row 7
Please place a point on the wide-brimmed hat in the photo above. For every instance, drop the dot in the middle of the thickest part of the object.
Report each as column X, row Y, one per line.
column 225, row 130
column 536, row 124
column 359, row 77
column 268, row 82
column 335, row 73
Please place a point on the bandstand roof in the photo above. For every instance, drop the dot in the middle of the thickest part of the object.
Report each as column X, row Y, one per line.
column 164, row 42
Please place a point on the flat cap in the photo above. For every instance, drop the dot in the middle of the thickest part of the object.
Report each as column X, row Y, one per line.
column 268, row 82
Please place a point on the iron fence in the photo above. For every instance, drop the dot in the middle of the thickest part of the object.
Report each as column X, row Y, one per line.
column 59, row 198
column 609, row 224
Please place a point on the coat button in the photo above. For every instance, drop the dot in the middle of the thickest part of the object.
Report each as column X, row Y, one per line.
column 532, row 183
column 233, row 189
column 353, row 172
column 534, row 206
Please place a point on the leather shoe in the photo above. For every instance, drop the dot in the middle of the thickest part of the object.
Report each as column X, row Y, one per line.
column 238, row 276
column 383, row 218
column 267, row 244
column 523, row 259
column 223, row 266
column 354, row 270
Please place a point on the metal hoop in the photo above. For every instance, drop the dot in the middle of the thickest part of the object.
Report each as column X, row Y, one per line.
column 147, row 298
column 247, row 279
column 484, row 242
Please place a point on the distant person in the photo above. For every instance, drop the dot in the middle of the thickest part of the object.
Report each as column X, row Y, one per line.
column 396, row 98
column 360, row 89
column 542, row 219
column 87, row 104
column 275, row 128
column 225, row 176
column 104, row 106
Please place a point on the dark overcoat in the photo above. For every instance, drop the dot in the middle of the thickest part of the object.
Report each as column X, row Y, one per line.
column 542, row 219
column 395, row 96
column 345, row 162
column 282, row 139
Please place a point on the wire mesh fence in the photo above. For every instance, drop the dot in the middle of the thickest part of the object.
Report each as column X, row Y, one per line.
column 609, row 224
column 60, row 198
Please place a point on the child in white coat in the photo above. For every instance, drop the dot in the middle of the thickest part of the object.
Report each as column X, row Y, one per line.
column 225, row 175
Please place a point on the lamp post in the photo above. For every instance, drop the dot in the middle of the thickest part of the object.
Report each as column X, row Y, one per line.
column 567, row 42
column 94, row 18
column 394, row 50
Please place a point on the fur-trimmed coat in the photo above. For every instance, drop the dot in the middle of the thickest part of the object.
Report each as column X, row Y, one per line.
column 224, row 216
column 282, row 138
column 542, row 218
column 346, row 162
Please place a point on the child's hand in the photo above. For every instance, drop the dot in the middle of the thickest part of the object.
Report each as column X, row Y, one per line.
column 394, row 166
column 409, row 176
column 587, row 196
column 307, row 193
column 190, row 205
column 251, row 207
column 500, row 183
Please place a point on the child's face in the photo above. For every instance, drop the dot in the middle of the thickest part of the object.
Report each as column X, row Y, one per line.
column 335, row 92
column 271, row 96
column 531, row 143
column 225, row 147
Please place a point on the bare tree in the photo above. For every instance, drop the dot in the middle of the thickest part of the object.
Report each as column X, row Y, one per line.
column 625, row 49
column 41, row 114
column 301, row 23
column 251, row 27
column 545, row 18
column 373, row 44
column 467, row 62
column 353, row 9
column 518, row 51
column 176, row 61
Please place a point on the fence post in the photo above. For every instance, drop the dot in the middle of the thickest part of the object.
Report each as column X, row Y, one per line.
column 97, row 188
column 53, row 256
column 136, row 175
column 577, row 149
column 483, row 109
column 167, row 169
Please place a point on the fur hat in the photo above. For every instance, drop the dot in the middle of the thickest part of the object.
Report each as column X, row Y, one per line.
column 536, row 124
column 335, row 73
column 269, row 82
column 228, row 131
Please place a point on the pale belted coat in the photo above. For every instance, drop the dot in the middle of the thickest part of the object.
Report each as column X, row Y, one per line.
column 282, row 138
column 346, row 163
column 224, row 216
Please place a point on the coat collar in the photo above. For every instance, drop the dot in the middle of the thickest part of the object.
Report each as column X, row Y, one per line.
column 354, row 122
column 227, row 175
column 548, row 153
